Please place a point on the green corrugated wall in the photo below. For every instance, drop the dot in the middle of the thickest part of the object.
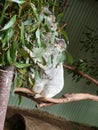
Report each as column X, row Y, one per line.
column 80, row 13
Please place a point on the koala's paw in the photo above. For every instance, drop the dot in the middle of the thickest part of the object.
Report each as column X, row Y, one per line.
column 37, row 95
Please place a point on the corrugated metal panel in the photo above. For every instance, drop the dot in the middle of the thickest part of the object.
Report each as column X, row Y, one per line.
column 78, row 14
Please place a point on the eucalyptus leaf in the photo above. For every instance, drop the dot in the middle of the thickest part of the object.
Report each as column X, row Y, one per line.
column 43, row 61
column 69, row 57
column 9, row 57
column 15, row 46
column 4, row 42
column 65, row 35
column 59, row 17
column 30, row 81
column 21, row 65
column 23, row 71
column 3, row 59
column 20, row 79
column 7, row 37
column 35, row 26
column 18, row 1
column 13, row 52
column 19, row 99
column 35, row 11
column 10, row 34
column 23, row 52
column 38, row 37
column 22, row 33
column 10, row 23
column 6, row 5
column 60, row 58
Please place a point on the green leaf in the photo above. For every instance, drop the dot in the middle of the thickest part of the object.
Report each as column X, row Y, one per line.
column 23, row 52
column 22, row 33
column 4, row 42
column 35, row 26
column 19, row 99
column 69, row 57
column 16, row 46
column 10, row 23
column 43, row 61
column 2, row 17
column 20, row 79
column 21, row 65
column 30, row 81
column 7, row 37
column 13, row 52
column 38, row 37
column 9, row 57
column 65, row 35
column 60, row 58
column 59, row 17
column 18, row 1
column 35, row 11
column 23, row 71
column 3, row 59
column 10, row 34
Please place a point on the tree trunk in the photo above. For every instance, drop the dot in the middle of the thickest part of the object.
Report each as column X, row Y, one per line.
column 6, row 77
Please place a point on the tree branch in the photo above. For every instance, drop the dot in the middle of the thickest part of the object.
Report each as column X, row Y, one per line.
column 74, row 69
column 65, row 5
column 42, row 102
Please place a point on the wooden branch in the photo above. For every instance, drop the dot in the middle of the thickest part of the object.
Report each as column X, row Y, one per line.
column 65, row 5
column 74, row 69
column 63, row 25
column 42, row 102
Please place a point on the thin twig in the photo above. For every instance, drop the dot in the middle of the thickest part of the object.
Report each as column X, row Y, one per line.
column 65, row 5
column 74, row 69
column 63, row 25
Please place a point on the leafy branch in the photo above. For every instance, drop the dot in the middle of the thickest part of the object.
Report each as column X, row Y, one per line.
column 32, row 25
column 75, row 70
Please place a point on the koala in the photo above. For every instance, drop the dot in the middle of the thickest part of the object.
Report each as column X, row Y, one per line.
column 50, row 85
column 51, row 81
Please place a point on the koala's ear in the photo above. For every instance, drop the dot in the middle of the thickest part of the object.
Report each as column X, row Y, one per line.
column 62, row 43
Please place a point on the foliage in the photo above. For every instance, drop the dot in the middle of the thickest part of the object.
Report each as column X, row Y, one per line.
column 28, row 24
column 89, row 46
column 90, row 40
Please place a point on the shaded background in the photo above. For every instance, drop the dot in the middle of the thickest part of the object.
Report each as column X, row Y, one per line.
column 79, row 13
